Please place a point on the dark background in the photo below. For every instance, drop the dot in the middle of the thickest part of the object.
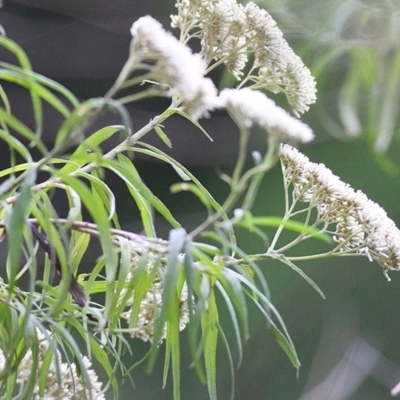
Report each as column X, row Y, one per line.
column 349, row 344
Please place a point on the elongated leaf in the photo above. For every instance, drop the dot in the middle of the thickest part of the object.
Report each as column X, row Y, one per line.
column 38, row 90
column 235, row 323
column 93, row 142
column 26, row 65
column 193, row 121
column 100, row 354
column 286, row 346
column 230, row 359
column 15, row 224
column 156, row 153
column 22, row 129
column 285, row 260
column 100, row 217
column 101, row 189
column 210, row 334
column 163, row 136
column 295, row 226
column 141, row 202
column 154, row 201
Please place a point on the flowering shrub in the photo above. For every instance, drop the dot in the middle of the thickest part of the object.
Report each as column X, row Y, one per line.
column 145, row 286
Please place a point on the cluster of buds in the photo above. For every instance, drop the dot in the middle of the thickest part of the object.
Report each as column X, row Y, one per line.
column 360, row 225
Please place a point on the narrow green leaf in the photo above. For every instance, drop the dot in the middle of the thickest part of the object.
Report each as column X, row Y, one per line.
column 230, row 359
column 154, row 201
column 286, row 346
column 236, row 329
column 191, row 187
column 141, row 202
column 210, row 335
column 163, row 136
column 15, row 224
column 295, row 226
column 100, row 217
column 22, row 79
column 194, row 122
column 81, row 243
column 22, row 129
column 100, row 354
column 282, row 258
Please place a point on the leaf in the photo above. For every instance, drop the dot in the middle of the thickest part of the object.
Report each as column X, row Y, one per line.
column 209, row 322
column 285, row 260
column 193, row 121
column 99, row 214
column 142, row 203
column 24, row 80
column 228, row 301
column 22, row 129
column 102, row 190
column 286, row 346
column 230, row 359
column 80, row 244
column 267, row 308
column 25, row 63
column 15, row 223
column 156, row 153
column 191, row 187
column 154, row 200
column 249, row 221
column 163, row 136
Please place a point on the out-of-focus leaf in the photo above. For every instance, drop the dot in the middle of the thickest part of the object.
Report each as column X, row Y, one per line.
column 228, row 301
column 209, row 322
column 154, row 201
column 191, row 187
column 22, row 129
column 286, row 346
column 163, row 136
column 193, row 121
column 285, row 260
column 15, row 224
column 249, row 222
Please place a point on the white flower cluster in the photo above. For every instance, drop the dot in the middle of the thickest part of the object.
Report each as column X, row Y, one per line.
column 173, row 64
column 151, row 306
column 361, row 225
column 229, row 32
column 253, row 107
column 71, row 384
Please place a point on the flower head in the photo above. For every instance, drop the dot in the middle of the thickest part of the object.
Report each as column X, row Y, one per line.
column 229, row 32
column 70, row 385
column 253, row 107
column 360, row 225
column 173, row 64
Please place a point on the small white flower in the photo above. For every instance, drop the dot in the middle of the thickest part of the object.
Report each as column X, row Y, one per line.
column 253, row 107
